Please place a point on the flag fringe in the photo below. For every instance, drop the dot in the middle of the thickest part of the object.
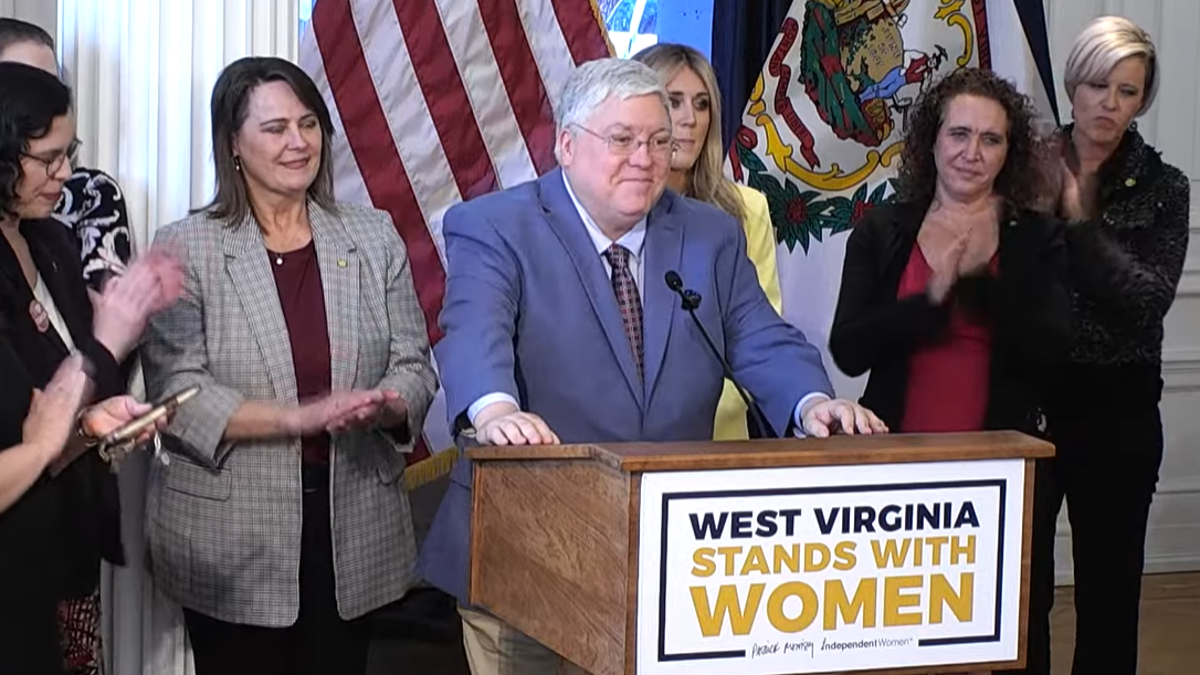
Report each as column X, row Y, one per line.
column 612, row 51
column 430, row 469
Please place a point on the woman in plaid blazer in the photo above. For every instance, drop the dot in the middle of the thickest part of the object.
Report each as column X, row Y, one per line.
column 280, row 520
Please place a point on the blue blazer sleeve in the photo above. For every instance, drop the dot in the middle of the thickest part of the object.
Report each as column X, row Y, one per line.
column 479, row 312
column 768, row 356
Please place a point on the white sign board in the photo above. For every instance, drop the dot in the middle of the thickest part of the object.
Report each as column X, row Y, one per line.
column 829, row 569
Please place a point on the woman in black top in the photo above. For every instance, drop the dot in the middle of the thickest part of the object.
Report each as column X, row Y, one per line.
column 46, row 314
column 954, row 296
column 33, row 444
column 1127, row 236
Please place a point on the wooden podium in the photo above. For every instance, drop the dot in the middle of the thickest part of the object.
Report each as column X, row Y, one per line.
column 556, row 530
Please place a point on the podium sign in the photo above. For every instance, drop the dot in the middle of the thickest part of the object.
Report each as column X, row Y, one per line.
column 830, row 568
column 901, row 554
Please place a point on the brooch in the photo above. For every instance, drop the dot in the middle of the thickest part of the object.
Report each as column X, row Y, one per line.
column 40, row 318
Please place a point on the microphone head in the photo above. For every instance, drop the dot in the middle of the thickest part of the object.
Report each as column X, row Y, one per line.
column 674, row 282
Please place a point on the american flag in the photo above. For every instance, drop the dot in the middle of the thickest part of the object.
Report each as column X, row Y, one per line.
column 438, row 101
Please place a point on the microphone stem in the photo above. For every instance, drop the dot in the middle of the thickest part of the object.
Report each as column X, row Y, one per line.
column 750, row 405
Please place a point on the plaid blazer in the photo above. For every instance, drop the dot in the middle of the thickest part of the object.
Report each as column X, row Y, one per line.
column 223, row 518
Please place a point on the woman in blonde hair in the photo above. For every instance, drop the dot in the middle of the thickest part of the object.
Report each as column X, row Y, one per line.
column 696, row 172
column 1127, row 237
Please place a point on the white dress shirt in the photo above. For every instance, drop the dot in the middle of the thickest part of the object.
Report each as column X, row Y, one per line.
column 635, row 241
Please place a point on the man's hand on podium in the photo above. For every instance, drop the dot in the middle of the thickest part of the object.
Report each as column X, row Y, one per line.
column 503, row 423
column 823, row 417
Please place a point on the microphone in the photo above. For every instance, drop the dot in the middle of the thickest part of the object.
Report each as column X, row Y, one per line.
column 690, row 300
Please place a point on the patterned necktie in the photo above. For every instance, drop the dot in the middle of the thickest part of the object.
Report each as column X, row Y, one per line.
column 628, row 299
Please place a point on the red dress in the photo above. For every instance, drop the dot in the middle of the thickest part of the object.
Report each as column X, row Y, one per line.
column 947, row 380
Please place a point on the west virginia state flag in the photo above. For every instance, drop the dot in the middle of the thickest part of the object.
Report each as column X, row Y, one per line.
column 824, row 125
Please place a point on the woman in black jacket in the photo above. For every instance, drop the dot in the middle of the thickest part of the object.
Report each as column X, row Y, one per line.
column 1127, row 237
column 953, row 296
column 39, row 435
column 47, row 314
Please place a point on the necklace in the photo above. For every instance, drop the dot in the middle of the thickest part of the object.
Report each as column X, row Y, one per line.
column 278, row 259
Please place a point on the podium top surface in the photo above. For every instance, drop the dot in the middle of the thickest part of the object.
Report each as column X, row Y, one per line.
column 760, row 454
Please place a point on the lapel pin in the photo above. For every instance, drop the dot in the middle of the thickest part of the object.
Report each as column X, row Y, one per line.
column 341, row 262
column 1130, row 182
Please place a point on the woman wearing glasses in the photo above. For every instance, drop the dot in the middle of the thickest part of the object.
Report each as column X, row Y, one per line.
column 45, row 315
column 92, row 203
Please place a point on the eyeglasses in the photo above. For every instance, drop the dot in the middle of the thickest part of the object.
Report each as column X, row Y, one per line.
column 54, row 163
column 624, row 144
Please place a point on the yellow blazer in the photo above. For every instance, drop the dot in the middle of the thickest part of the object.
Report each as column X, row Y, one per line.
column 730, row 422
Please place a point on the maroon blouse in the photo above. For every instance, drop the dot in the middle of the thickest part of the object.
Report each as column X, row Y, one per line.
column 948, row 380
column 298, row 281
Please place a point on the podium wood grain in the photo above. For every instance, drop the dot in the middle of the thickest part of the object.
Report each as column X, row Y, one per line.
column 555, row 528
column 551, row 555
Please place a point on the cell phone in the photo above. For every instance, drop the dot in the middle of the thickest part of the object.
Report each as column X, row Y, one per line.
column 118, row 443
column 133, row 428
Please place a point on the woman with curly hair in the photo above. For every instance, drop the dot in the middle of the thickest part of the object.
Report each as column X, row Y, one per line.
column 55, row 534
column 954, row 296
column 696, row 172
column 92, row 203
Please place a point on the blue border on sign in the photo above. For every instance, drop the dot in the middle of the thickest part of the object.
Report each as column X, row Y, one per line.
column 668, row 497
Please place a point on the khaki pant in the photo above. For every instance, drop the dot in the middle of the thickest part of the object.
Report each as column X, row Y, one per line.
column 495, row 648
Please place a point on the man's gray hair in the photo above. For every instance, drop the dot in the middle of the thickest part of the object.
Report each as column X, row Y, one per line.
column 1103, row 43
column 594, row 82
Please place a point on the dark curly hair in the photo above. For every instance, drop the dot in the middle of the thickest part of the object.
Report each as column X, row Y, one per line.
column 30, row 100
column 1017, row 180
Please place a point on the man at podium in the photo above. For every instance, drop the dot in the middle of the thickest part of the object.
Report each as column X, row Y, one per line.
column 593, row 305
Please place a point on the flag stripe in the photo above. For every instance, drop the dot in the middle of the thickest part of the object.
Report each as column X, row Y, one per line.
column 530, row 102
column 433, row 64
column 549, row 45
column 582, row 30
column 478, row 61
column 380, row 165
column 408, row 117
column 348, row 182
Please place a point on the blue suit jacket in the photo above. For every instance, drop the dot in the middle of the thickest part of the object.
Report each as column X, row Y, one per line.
column 530, row 311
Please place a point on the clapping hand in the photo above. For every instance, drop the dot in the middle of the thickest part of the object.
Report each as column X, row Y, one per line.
column 51, row 417
column 945, row 268
column 339, row 411
column 153, row 282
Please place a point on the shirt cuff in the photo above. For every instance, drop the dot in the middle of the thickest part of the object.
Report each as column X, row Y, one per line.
column 798, row 418
column 486, row 400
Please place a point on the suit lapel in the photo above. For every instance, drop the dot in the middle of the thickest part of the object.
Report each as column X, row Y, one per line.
column 663, row 252
column 338, row 261
column 250, row 269
column 569, row 228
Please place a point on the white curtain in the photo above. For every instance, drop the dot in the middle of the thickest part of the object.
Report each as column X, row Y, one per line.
column 143, row 72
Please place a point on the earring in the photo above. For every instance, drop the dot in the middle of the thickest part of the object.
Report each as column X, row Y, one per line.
column 237, row 163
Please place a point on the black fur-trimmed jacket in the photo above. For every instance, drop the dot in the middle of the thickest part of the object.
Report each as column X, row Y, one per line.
column 1125, row 264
